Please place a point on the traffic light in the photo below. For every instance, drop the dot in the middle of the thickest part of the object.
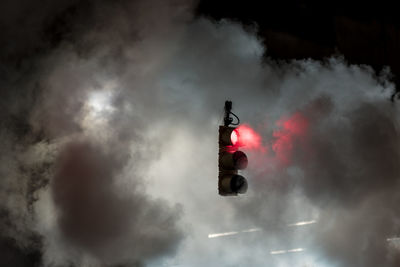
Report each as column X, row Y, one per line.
column 230, row 159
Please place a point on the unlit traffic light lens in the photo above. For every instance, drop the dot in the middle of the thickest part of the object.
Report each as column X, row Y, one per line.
column 238, row 184
column 239, row 160
column 233, row 161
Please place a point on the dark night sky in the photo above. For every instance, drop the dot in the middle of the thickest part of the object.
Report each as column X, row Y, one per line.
column 365, row 33
column 101, row 104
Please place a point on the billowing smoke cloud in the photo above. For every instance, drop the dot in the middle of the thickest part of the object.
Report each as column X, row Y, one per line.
column 109, row 117
column 111, row 224
column 73, row 159
column 345, row 163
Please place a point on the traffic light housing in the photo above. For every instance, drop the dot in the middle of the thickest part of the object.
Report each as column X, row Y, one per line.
column 230, row 159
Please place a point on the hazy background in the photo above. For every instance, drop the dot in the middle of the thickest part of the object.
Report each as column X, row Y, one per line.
column 110, row 114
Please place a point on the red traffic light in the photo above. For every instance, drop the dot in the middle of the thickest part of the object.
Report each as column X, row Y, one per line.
column 230, row 160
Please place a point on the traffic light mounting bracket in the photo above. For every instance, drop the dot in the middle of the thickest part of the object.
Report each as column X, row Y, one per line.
column 228, row 120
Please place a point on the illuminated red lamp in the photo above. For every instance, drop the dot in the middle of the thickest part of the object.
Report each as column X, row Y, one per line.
column 234, row 137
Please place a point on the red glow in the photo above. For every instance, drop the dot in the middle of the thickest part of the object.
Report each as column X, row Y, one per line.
column 288, row 139
column 296, row 124
column 291, row 130
column 248, row 138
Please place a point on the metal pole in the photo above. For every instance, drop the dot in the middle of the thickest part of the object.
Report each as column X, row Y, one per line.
column 228, row 107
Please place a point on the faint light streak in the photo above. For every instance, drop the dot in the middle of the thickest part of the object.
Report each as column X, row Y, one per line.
column 302, row 223
column 391, row 239
column 252, row 230
column 274, row 252
column 222, row 234
column 234, row 232
column 294, row 250
column 258, row 229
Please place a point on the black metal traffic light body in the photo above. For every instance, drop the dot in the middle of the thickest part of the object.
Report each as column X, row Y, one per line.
column 230, row 159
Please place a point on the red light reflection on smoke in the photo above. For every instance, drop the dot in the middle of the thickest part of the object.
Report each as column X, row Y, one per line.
column 290, row 130
column 291, row 134
column 248, row 138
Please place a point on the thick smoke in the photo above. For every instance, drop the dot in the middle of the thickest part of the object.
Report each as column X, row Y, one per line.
column 110, row 111
column 111, row 224
column 73, row 161
column 335, row 162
